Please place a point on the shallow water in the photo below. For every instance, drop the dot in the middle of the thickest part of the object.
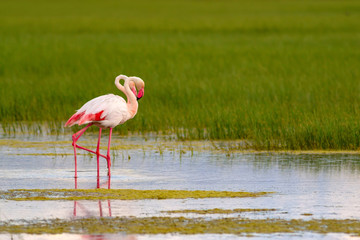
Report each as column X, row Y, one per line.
column 307, row 185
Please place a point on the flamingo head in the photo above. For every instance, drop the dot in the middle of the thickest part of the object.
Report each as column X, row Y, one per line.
column 140, row 94
column 137, row 83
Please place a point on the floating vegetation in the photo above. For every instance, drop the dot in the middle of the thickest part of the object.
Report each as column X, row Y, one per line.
column 221, row 211
column 307, row 214
column 163, row 225
column 119, row 194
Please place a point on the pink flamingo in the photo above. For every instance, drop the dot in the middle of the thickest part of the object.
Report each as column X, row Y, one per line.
column 107, row 111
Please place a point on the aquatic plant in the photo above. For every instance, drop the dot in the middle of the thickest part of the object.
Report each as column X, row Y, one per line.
column 283, row 75
column 119, row 194
column 163, row 225
column 220, row 210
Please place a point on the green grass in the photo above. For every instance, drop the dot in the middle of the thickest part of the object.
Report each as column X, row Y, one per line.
column 282, row 74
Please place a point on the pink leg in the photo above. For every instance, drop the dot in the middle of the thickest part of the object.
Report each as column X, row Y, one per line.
column 90, row 151
column 98, row 182
column 109, row 182
column 108, row 154
column 75, row 137
column 78, row 134
column 98, row 154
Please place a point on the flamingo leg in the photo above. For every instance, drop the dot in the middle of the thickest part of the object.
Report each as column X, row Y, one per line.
column 108, row 154
column 75, row 137
column 98, row 153
column 101, row 155
column 75, row 182
column 98, row 160
column 109, row 182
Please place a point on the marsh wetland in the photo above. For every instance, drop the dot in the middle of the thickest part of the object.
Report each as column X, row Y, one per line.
column 162, row 189
column 249, row 127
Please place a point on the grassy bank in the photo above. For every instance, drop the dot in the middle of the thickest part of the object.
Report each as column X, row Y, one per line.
column 282, row 74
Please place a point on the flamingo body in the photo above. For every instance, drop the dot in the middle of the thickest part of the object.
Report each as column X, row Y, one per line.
column 106, row 111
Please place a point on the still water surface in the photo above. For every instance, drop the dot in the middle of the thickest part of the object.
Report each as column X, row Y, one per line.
column 307, row 185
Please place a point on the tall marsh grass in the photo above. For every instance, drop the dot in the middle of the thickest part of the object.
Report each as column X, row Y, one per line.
column 281, row 74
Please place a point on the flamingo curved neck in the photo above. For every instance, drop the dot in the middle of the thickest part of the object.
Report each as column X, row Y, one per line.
column 117, row 82
column 131, row 98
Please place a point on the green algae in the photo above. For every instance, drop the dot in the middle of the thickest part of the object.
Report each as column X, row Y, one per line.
column 119, row 194
column 307, row 214
column 221, row 211
column 164, row 225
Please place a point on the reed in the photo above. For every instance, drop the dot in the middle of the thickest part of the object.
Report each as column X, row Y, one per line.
column 281, row 74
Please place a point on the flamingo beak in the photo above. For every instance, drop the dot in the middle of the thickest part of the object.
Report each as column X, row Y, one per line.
column 140, row 94
column 133, row 89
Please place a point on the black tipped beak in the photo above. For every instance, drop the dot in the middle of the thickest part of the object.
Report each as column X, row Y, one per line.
column 140, row 94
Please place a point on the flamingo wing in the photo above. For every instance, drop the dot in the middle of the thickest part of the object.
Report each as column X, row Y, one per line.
column 107, row 110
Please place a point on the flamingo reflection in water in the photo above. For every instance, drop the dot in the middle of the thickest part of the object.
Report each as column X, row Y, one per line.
column 81, row 211
column 87, row 213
